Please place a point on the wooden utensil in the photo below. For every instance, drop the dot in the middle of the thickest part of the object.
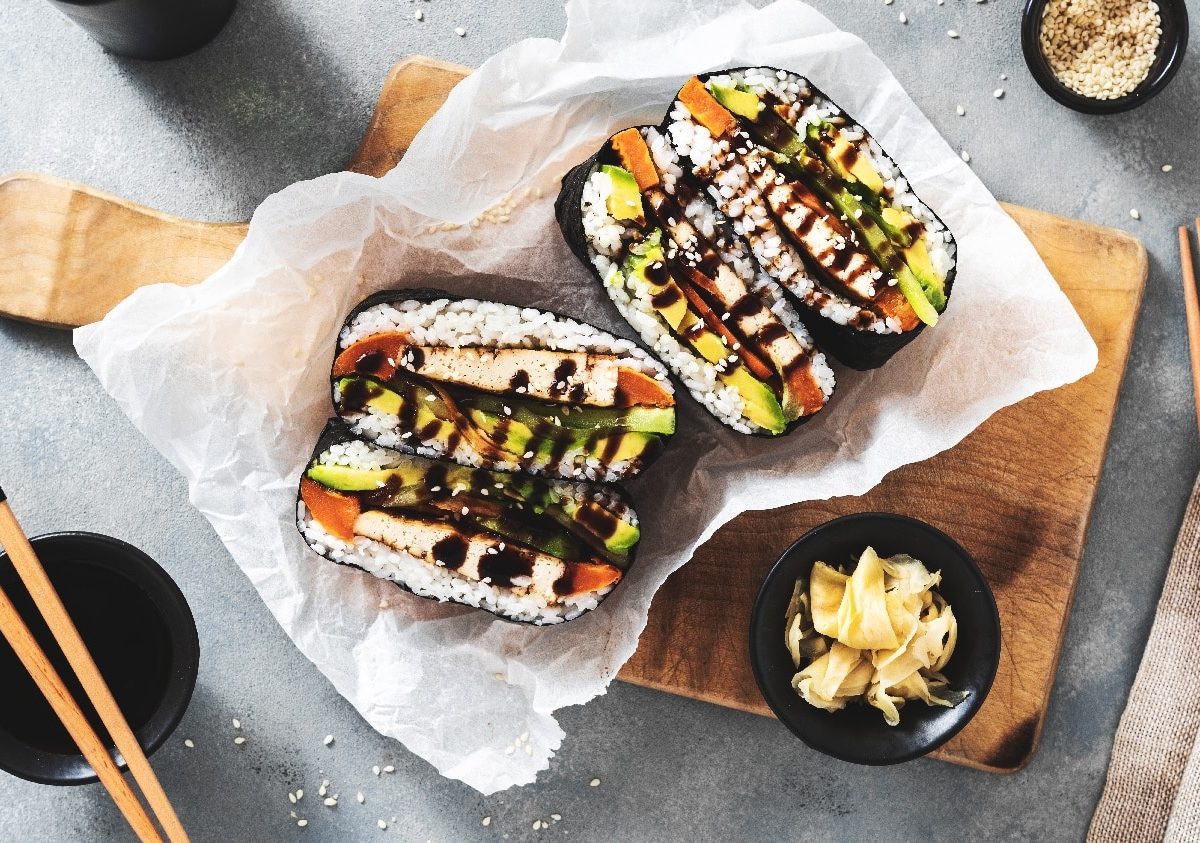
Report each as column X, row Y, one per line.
column 49, row 604
column 1192, row 308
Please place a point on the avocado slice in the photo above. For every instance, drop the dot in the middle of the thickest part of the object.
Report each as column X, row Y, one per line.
column 742, row 103
column 625, row 200
column 624, row 536
column 760, row 404
column 834, row 148
column 554, row 540
column 520, row 439
column 343, row 478
column 390, row 402
column 643, row 419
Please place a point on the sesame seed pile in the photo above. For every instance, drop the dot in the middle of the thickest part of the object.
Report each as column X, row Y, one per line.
column 1101, row 49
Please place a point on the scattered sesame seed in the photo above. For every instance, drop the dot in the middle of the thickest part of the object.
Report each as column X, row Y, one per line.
column 556, row 817
column 459, row 31
column 322, row 790
column 330, row 802
column 953, row 33
column 903, row 18
column 188, row 741
column 594, row 783
column 419, row 15
column 537, row 824
column 375, row 769
column 359, row 796
column 966, row 156
column 299, row 794
column 998, row 93
column 499, row 677
column 888, row 2
column 959, row 110
column 486, row 821
column 1166, row 168
column 381, row 824
column 239, row 740
column 1003, row 77
column 329, row 740
column 389, row 768
column 302, row 823
column 237, row 724
column 292, row 797
column 1133, row 212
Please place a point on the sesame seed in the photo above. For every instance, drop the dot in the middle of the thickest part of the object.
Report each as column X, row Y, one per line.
column 966, row 156
column 299, row 794
column 302, row 823
column 237, row 724
column 1133, row 212
column 330, row 802
column 485, row 822
column 594, row 783
column 1166, row 168
column 329, row 740
column 903, row 18
column 556, row 817
column 323, row 789
column 998, row 93
column 959, row 110
column 419, row 15
column 459, row 31
column 375, row 769
column 529, row 455
column 509, row 750
column 191, row 745
column 292, row 798
column 239, row 740
column 359, row 796
column 1003, row 77
column 537, row 824
column 952, row 33
column 465, row 510
column 389, row 768
column 381, row 824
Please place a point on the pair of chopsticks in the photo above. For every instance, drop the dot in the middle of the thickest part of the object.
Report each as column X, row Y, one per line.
column 33, row 575
column 1192, row 306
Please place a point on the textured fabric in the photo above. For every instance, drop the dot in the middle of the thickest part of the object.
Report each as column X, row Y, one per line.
column 1153, row 786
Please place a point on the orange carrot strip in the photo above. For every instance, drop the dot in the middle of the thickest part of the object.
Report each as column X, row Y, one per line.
column 636, row 388
column 588, row 577
column 704, row 107
column 375, row 356
column 631, row 148
column 333, row 511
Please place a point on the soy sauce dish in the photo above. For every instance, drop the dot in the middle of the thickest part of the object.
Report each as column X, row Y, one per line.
column 859, row 733
column 140, row 631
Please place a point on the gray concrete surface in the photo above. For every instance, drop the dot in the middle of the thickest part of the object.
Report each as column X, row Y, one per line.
column 284, row 93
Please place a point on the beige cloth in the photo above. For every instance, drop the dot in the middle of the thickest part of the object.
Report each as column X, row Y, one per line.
column 1153, row 786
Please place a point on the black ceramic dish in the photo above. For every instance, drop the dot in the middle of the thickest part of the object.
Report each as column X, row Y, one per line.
column 140, row 631
column 858, row 733
column 1171, row 47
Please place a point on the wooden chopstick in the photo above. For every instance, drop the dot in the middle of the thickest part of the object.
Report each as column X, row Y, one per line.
column 33, row 575
column 1192, row 308
column 51, row 685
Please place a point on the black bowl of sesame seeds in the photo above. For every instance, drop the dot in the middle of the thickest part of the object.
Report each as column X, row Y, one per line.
column 1104, row 56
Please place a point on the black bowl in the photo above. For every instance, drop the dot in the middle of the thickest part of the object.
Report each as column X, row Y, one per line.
column 858, row 733
column 1172, row 45
column 140, row 631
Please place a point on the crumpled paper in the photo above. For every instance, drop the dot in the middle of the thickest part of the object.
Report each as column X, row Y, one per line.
column 229, row 379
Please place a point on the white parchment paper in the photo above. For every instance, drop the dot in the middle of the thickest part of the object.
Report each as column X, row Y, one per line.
column 229, row 379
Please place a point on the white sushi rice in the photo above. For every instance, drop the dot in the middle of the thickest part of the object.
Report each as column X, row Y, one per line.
column 473, row 322
column 440, row 583
column 606, row 237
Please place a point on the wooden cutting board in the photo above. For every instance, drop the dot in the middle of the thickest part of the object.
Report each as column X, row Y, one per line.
column 1017, row 493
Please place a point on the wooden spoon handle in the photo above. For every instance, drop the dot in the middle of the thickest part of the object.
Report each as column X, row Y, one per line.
column 70, row 253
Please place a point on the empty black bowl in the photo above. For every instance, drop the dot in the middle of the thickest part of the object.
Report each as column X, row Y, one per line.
column 139, row 630
column 858, row 733
column 1172, row 45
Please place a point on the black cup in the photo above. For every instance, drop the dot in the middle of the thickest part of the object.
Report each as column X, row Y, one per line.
column 139, row 630
column 149, row 29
